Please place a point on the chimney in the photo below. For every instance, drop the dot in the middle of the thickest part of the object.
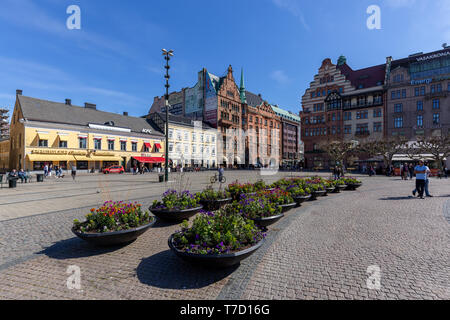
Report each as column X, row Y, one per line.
column 125, row 114
column 19, row 92
column 90, row 106
column 68, row 102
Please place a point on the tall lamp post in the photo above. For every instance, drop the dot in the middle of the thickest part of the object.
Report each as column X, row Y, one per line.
column 167, row 55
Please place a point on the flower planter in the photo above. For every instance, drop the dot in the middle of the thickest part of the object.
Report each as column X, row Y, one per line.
column 330, row 190
column 175, row 215
column 287, row 207
column 353, row 186
column 215, row 204
column 340, row 187
column 302, row 199
column 215, row 260
column 267, row 221
column 316, row 194
column 115, row 237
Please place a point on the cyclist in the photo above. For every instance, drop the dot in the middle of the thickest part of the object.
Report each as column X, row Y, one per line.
column 221, row 171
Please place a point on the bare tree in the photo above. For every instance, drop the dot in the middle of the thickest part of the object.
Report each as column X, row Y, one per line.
column 438, row 147
column 338, row 150
column 386, row 148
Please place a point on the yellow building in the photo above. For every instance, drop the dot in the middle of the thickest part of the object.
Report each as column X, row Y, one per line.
column 44, row 132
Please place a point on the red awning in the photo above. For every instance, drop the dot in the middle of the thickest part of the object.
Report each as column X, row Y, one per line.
column 157, row 145
column 148, row 145
column 150, row 159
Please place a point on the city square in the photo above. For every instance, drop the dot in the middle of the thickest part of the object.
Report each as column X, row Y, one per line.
column 224, row 158
column 321, row 250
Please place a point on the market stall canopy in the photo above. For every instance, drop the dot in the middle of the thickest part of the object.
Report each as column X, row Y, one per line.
column 404, row 157
column 150, row 159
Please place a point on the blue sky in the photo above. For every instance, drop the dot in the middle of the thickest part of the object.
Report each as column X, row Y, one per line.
column 115, row 59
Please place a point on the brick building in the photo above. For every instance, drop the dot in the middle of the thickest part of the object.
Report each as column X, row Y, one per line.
column 419, row 95
column 342, row 104
column 291, row 144
column 321, row 117
column 263, row 139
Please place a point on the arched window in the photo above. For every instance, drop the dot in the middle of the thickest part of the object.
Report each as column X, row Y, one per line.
column 334, row 101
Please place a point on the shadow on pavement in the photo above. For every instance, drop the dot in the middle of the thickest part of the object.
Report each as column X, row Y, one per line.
column 398, row 198
column 76, row 248
column 163, row 224
column 167, row 271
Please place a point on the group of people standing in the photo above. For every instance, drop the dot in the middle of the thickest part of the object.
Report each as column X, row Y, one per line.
column 338, row 172
column 49, row 168
column 141, row 169
column 407, row 171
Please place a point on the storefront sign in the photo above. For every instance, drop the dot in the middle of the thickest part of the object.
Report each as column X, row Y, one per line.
column 434, row 56
column 415, row 82
column 104, row 154
column 59, row 152
column 148, row 131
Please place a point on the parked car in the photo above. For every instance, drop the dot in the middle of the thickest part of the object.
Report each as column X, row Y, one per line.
column 114, row 169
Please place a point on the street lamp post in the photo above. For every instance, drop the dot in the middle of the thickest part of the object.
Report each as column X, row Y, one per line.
column 167, row 55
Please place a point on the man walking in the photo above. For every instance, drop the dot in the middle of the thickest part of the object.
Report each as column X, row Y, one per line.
column 421, row 172
column 74, row 171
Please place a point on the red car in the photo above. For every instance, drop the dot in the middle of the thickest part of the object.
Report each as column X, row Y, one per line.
column 114, row 169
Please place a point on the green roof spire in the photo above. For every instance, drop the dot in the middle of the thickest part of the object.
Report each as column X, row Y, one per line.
column 242, row 88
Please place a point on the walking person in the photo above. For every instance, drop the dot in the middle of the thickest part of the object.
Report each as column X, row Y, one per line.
column 411, row 171
column 421, row 171
column 74, row 171
column 45, row 170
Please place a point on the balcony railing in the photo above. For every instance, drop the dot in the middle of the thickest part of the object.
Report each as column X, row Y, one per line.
column 442, row 94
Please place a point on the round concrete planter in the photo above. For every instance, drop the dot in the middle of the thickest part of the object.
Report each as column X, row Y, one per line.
column 115, row 237
column 316, row 194
column 287, row 207
column 213, row 205
column 330, row 190
column 302, row 199
column 175, row 215
column 340, row 187
column 214, row 260
column 267, row 221
column 353, row 186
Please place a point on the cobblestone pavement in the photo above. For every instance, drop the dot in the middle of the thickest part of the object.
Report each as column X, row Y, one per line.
column 319, row 251
column 90, row 190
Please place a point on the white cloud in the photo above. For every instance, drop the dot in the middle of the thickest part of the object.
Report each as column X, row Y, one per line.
column 293, row 7
column 280, row 76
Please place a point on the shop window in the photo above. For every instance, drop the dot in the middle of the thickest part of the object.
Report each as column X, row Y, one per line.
column 82, row 165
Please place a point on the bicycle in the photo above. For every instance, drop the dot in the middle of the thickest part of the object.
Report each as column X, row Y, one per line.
column 215, row 178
